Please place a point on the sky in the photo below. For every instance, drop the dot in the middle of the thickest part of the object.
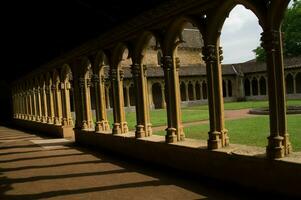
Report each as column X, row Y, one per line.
column 240, row 35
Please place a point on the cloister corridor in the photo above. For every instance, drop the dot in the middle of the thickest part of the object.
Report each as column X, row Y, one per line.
column 33, row 166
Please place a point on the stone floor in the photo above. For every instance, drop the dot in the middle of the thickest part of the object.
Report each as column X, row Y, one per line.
column 37, row 167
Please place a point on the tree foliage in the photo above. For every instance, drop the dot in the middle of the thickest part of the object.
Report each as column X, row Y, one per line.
column 291, row 28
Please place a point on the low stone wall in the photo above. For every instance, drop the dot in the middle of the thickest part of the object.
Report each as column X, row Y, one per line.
column 238, row 164
column 48, row 129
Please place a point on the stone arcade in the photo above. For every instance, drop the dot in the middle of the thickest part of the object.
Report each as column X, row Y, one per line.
column 103, row 73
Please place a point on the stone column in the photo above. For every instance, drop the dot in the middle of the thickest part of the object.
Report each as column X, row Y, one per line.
column 194, row 91
column 120, row 125
column 143, row 126
column 27, row 105
column 86, row 103
column 258, row 87
column 50, row 104
column 201, row 90
column 66, row 107
column 279, row 144
column 57, row 104
column 39, row 104
column 218, row 134
column 163, row 95
column 34, row 105
column 186, row 91
column 45, row 110
column 174, row 131
column 295, row 84
column 102, row 123
column 251, row 87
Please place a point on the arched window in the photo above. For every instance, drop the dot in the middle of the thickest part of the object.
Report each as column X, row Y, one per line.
column 263, row 86
column 198, row 91
column 157, row 95
column 289, row 81
column 224, row 89
column 247, row 87
column 204, row 89
column 298, row 82
column 255, row 86
column 183, row 91
column 229, row 88
column 190, row 91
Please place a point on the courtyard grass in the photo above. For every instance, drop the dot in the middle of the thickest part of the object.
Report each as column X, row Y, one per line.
column 249, row 131
column 243, row 105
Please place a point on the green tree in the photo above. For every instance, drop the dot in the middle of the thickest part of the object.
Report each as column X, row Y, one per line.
column 291, row 28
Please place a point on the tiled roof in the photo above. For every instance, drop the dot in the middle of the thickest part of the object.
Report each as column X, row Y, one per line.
column 228, row 69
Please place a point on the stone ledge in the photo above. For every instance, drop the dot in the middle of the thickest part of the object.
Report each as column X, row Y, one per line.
column 49, row 129
column 238, row 164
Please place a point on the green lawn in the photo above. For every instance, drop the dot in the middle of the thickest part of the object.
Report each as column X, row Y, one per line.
column 249, row 131
column 243, row 105
column 159, row 117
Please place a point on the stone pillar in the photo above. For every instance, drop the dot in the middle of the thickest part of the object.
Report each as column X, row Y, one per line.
column 163, row 95
column 39, row 106
column 279, row 144
column 34, row 105
column 86, row 104
column 218, row 134
column 27, row 104
column 57, row 104
column 45, row 110
column 194, row 91
column 143, row 126
column 102, row 123
column 186, row 91
column 201, row 90
column 50, row 104
column 258, row 87
column 120, row 125
column 174, row 131
column 251, row 87
column 295, row 84
column 66, row 107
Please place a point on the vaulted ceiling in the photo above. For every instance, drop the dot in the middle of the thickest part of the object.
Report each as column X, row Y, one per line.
column 34, row 32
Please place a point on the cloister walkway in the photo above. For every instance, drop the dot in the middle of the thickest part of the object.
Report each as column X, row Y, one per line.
column 37, row 167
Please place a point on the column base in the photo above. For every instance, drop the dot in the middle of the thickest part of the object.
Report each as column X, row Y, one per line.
column 275, row 149
column 140, row 131
column 102, row 126
column 149, row 131
column 57, row 121
column 214, row 141
column 225, row 138
column 50, row 120
column 125, row 127
column 84, row 125
column 171, row 135
column 116, row 128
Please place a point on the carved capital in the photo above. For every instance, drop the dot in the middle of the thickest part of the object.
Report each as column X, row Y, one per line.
column 135, row 69
column 209, row 53
column 81, row 82
column 221, row 57
column 113, row 74
column 121, row 74
column 166, row 62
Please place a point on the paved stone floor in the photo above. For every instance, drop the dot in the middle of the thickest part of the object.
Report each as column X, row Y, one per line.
column 36, row 167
